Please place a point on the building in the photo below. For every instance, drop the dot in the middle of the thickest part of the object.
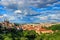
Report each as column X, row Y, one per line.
column 38, row 28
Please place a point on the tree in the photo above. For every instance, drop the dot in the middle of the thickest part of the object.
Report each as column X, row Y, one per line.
column 55, row 27
column 24, row 38
column 31, row 35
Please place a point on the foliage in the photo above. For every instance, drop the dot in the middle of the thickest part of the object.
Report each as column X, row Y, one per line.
column 55, row 27
column 29, row 35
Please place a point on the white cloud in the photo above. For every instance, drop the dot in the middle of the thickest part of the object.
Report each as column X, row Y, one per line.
column 53, row 21
column 18, row 11
column 54, row 16
column 48, row 4
column 1, row 16
column 22, row 3
column 42, row 17
column 12, row 18
column 5, row 3
column 5, row 15
column 25, row 12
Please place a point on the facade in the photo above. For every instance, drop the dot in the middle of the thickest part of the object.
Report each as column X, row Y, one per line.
column 38, row 28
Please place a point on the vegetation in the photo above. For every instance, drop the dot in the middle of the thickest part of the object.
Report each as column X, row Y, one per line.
column 54, row 27
column 14, row 34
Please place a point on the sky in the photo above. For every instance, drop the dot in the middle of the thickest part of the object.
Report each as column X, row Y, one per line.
column 30, row 11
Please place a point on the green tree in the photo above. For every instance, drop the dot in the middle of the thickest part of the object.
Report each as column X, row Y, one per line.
column 24, row 38
column 55, row 27
column 29, row 34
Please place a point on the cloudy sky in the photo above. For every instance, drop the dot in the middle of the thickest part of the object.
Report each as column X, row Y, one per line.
column 30, row 11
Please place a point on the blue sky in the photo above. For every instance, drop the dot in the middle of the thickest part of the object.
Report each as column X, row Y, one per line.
column 24, row 11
